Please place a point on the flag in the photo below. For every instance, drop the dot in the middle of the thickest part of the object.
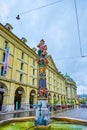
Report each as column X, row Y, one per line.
column 6, row 60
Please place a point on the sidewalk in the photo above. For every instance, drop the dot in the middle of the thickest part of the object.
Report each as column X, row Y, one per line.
column 15, row 111
column 16, row 114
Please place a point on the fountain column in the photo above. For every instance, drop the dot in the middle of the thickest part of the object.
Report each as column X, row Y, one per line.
column 42, row 111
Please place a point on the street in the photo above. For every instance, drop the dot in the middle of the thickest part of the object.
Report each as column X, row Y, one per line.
column 79, row 113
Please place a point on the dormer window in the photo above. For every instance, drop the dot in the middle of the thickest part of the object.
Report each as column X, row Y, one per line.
column 9, row 27
column 23, row 39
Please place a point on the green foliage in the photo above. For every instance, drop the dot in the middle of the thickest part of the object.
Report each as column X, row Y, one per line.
column 82, row 101
column 63, row 102
column 70, row 102
column 55, row 102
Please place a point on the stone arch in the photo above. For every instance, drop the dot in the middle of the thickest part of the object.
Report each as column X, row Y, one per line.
column 19, row 98
column 32, row 98
column 49, row 98
column 58, row 98
column 3, row 95
column 54, row 99
column 62, row 99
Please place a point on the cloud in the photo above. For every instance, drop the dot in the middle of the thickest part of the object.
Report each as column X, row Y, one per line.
column 56, row 24
column 81, row 89
column 4, row 10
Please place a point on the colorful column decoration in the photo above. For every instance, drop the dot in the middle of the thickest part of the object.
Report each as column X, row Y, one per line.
column 6, row 60
column 42, row 111
column 42, row 62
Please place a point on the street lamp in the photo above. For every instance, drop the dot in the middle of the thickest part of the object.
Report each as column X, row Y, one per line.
column 20, row 92
column 32, row 94
column 49, row 96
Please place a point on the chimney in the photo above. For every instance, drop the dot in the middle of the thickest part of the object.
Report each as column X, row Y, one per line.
column 23, row 39
column 9, row 27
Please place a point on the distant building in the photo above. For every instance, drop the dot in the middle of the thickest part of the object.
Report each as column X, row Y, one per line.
column 19, row 75
column 71, row 89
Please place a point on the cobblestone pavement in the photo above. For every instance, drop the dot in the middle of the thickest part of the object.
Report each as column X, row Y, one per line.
column 79, row 113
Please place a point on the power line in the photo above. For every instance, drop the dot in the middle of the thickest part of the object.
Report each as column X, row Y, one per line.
column 67, row 58
column 78, row 27
column 38, row 8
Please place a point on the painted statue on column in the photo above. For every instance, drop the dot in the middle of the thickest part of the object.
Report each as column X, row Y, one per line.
column 42, row 112
column 42, row 62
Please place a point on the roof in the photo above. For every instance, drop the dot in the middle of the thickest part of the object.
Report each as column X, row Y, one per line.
column 68, row 78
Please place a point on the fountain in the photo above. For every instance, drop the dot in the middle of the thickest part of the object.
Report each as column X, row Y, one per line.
column 42, row 117
column 42, row 111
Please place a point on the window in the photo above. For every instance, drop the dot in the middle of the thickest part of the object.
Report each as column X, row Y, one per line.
column 21, row 76
column 58, row 98
column 3, row 56
column 49, row 79
column 33, row 71
column 2, row 70
column 22, row 55
column 21, row 66
column 33, row 62
column 49, row 87
column 33, row 81
column 5, row 44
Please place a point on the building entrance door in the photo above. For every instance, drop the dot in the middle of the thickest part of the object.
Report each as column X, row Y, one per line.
column 1, row 100
column 32, row 93
column 31, row 101
column 17, row 100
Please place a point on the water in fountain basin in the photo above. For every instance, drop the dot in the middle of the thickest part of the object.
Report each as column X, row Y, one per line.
column 29, row 126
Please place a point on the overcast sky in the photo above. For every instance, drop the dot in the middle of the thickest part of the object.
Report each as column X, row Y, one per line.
column 56, row 24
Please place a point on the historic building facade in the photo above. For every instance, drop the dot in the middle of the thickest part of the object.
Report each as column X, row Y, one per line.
column 71, row 90
column 19, row 83
column 19, row 74
column 55, row 83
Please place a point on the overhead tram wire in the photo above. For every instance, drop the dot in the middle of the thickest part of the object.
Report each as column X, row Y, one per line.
column 78, row 29
column 42, row 6
column 71, row 58
column 38, row 8
column 80, row 44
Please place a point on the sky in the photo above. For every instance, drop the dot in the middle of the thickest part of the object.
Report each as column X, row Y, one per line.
column 57, row 25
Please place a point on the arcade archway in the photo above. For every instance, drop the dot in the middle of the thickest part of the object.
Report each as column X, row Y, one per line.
column 31, row 99
column 49, row 99
column 18, row 98
column 3, row 90
column 54, row 99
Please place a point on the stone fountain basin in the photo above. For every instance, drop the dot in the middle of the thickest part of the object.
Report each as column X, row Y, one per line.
column 70, row 120
column 57, row 123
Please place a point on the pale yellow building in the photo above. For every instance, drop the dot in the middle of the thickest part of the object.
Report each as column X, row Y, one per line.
column 18, row 87
column 55, row 83
column 19, row 74
column 71, row 89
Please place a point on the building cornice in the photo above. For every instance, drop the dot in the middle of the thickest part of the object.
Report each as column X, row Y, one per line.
column 16, row 82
